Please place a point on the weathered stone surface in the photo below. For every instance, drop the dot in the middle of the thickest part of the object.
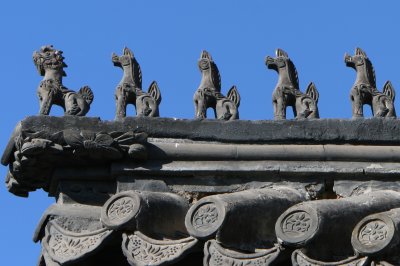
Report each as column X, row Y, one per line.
column 331, row 222
column 378, row 236
column 287, row 91
column 152, row 213
column 300, row 259
column 208, row 94
column 364, row 90
column 50, row 64
column 141, row 250
column 217, row 255
column 129, row 89
column 242, row 220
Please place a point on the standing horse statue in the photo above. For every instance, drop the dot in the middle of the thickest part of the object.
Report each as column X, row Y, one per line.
column 287, row 91
column 129, row 89
column 50, row 64
column 209, row 93
column 364, row 90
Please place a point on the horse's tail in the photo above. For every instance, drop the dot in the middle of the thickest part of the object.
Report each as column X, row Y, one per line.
column 86, row 94
column 155, row 92
column 388, row 90
column 312, row 92
column 234, row 96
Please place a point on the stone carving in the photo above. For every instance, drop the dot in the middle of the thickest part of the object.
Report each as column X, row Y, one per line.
column 121, row 209
column 37, row 153
column 141, row 250
column 50, row 64
column 373, row 232
column 205, row 217
column 65, row 247
column 364, row 90
column 297, row 223
column 377, row 234
column 129, row 89
column 222, row 214
column 131, row 210
column 216, row 255
column 287, row 91
column 325, row 222
column 299, row 259
column 209, row 93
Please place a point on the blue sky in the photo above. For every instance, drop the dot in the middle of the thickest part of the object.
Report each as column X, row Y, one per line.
column 167, row 38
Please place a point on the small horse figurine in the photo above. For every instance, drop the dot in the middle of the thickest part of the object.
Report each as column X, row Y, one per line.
column 364, row 90
column 129, row 89
column 209, row 93
column 287, row 91
column 50, row 64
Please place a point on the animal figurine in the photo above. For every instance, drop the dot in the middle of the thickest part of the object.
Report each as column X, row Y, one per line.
column 50, row 64
column 287, row 91
column 364, row 90
column 129, row 89
column 209, row 93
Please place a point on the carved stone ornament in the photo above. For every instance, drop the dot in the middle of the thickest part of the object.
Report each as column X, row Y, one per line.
column 374, row 234
column 141, row 250
column 37, row 153
column 208, row 94
column 297, row 226
column 216, row 255
column 287, row 91
column 129, row 89
column 204, row 219
column 364, row 90
column 120, row 210
column 300, row 259
column 62, row 246
column 50, row 64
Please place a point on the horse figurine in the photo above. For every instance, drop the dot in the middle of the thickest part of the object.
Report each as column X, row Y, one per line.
column 50, row 64
column 209, row 93
column 129, row 89
column 287, row 91
column 364, row 90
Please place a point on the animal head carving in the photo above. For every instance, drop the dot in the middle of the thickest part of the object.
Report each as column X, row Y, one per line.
column 208, row 67
column 360, row 61
column 357, row 59
column 126, row 60
column 49, row 58
column 279, row 61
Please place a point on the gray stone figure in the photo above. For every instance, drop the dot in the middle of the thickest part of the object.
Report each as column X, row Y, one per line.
column 364, row 90
column 287, row 91
column 50, row 64
column 209, row 93
column 129, row 89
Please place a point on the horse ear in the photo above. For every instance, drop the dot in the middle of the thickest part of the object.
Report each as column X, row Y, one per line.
column 154, row 92
column 360, row 51
column 234, row 96
column 389, row 90
column 128, row 51
column 312, row 92
column 280, row 53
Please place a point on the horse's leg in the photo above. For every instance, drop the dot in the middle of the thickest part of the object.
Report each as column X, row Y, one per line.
column 199, row 104
column 356, row 103
column 279, row 106
column 390, row 106
column 120, row 100
column 45, row 101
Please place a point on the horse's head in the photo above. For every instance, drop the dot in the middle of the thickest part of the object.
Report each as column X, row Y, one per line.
column 208, row 68
column 280, row 61
column 125, row 59
column 358, row 59
column 49, row 58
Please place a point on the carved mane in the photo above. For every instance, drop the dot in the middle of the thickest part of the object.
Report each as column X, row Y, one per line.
column 215, row 76
column 293, row 76
column 369, row 68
